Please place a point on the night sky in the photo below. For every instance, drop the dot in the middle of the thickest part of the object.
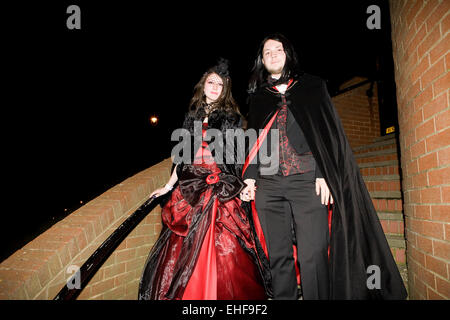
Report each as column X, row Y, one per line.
column 77, row 102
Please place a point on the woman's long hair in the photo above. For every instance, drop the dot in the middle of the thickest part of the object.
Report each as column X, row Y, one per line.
column 224, row 102
column 291, row 69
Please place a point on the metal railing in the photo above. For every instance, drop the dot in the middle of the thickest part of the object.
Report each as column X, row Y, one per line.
column 96, row 260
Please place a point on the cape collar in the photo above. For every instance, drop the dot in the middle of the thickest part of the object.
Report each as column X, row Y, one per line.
column 274, row 89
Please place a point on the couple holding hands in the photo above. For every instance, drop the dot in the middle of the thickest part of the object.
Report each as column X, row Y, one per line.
column 235, row 232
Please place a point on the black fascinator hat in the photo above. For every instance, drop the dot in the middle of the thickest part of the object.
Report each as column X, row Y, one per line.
column 221, row 68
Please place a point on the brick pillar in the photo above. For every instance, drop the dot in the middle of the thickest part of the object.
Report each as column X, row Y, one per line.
column 421, row 45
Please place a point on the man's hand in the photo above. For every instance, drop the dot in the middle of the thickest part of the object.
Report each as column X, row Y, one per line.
column 248, row 193
column 322, row 189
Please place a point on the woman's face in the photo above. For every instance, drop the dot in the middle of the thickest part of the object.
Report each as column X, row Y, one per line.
column 213, row 87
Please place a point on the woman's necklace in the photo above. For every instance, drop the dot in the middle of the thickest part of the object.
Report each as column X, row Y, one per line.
column 208, row 108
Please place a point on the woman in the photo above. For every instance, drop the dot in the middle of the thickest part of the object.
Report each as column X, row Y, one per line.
column 207, row 249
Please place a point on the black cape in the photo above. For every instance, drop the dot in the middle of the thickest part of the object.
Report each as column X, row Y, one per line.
column 357, row 240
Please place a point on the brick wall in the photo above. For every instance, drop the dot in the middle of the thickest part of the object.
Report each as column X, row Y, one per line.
column 421, row 43
column 359, row 117
column 39, row 269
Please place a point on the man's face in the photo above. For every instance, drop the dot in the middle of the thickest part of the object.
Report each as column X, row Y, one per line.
column 213, row 87
column 274, row 57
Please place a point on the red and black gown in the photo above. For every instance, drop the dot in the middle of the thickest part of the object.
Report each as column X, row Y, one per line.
column 207, row 249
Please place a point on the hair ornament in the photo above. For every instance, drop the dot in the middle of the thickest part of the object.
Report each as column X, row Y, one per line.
column 222, row 68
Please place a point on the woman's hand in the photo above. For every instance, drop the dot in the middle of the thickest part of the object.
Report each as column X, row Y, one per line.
column 159, row 192
column 324, row 191
column 248, row 193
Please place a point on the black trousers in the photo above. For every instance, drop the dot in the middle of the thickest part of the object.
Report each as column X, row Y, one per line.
column 287, row 203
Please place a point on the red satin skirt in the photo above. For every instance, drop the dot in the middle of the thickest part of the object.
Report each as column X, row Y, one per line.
column 224, row 269
column 205, row 252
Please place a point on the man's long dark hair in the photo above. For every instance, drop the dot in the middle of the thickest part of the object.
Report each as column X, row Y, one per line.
column 291, row 69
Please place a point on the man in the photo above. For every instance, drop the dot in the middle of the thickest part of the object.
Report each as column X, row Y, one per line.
column 316, row 169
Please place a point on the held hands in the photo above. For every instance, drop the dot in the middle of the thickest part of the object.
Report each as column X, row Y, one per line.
column 248, row 193
column 322, row 189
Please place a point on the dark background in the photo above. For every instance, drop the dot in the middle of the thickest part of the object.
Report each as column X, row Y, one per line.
column 76, row 103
